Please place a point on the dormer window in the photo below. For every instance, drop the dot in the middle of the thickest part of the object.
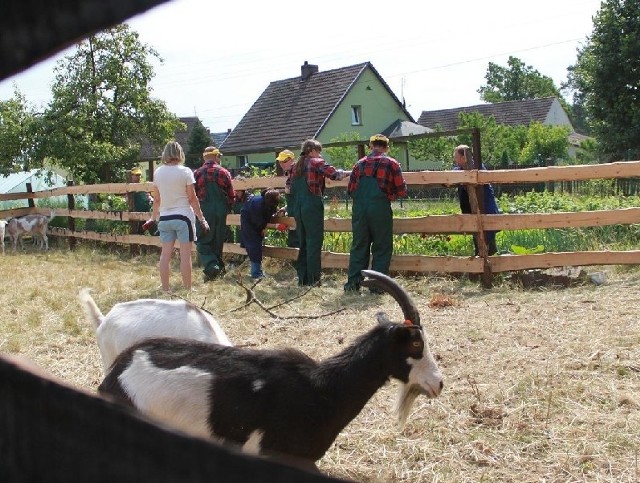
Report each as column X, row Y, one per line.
column 356, row 115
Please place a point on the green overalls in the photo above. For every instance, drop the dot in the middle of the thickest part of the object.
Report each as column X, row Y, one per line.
column 372, row 227
column 209, row 245
column 292, row 235
column 308, row 211
column 141, row 201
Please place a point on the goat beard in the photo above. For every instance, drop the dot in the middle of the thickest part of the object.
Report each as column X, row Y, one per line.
column 407, row 394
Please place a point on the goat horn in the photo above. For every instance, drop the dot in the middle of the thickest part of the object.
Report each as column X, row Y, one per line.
column 389, row 285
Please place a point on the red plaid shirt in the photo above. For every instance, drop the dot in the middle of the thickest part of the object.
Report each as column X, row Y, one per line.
column 315, row 171
column 211, row 172
column 388, row 175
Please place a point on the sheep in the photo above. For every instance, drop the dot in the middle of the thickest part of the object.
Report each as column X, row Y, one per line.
column 130, row 322
column 3, row 224
column 35, row 225
column 276, row 402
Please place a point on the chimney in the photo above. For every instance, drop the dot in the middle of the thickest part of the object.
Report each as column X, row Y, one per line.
column 307, row 70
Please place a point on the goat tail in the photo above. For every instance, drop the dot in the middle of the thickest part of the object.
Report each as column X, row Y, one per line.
column 91, row 310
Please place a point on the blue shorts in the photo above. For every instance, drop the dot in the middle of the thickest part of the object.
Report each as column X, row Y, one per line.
column 175, row 227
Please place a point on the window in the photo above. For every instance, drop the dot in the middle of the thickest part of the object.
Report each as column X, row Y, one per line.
column 356, row 115
column 242, row 161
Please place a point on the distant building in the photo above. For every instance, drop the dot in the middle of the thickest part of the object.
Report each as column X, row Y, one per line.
column 150, row 153
column 320, row 105
column 547, row 111
column 40, row 180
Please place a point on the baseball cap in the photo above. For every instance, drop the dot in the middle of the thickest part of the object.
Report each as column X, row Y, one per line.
column 285, row 154
column 211, row 151
column 137, row 171
column 379, row 137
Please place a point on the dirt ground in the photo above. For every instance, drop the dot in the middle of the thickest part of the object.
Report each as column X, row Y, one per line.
column 541, row 384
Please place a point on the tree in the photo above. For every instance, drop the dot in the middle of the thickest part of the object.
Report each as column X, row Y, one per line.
column 434, row 149
column 516, row 82
column 198, row 141
column 102, row 108
column 606, row 79
column 543, row 143
column 501, row 144
column 16, row 128
column 345, row 156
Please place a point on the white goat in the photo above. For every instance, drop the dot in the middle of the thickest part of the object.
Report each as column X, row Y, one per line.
column 128, row 323
column 34, row 225
column 276, row 402
column 3, row 224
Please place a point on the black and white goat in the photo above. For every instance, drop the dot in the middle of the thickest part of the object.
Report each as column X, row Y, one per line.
column 128, row 323
column 276, row 402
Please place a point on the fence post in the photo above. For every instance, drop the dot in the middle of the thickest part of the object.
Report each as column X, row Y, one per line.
column 134, row 225
column 71, row 221
column 476, row 197
column 30, row 200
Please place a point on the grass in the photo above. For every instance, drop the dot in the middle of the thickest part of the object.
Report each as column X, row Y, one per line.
column 540, row 385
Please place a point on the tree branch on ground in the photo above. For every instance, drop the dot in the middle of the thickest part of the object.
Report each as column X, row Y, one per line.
column 252, row 299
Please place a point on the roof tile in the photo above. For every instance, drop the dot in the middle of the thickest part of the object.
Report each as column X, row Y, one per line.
column 292, row 110
column 512, row 113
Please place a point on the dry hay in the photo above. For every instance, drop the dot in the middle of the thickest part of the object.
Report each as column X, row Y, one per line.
column 539, row 385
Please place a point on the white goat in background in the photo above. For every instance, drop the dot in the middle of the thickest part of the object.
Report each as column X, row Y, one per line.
column 34, row 225
column 128, row 323
column 3, row 224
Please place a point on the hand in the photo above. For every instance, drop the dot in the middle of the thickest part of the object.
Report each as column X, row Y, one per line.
column 204, row 225
column 281, row 227
column 149, row 225
column 340, row 174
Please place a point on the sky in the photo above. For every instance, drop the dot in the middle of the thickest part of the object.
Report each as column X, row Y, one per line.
column 218, row 57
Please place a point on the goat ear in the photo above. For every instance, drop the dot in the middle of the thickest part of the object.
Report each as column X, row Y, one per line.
column 382, row 318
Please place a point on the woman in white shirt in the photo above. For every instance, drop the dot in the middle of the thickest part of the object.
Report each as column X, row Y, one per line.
column 175, row 208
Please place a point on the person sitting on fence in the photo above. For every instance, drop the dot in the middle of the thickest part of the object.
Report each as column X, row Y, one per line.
column 463, row 158
column 375, row 181
column 215, row 192
column 255, row 216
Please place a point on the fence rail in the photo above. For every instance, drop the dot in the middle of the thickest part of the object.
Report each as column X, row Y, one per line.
column 438, row 224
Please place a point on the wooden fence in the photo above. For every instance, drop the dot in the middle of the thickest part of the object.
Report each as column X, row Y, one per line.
column 441, row 224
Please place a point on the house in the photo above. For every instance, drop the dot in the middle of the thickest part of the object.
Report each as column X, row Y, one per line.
column 320, row 105
column 546, row 110
column 151, row 154
column 219, row 137
column 404, row 129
